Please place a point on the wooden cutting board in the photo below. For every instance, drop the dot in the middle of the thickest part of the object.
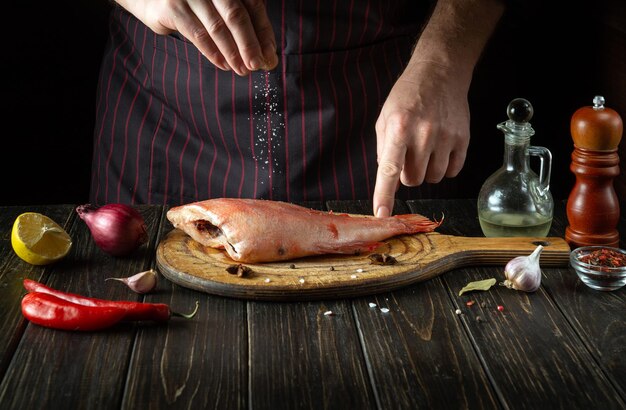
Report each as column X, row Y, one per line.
column 419, row 257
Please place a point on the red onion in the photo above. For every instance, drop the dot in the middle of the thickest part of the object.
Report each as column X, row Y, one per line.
column 117, row 229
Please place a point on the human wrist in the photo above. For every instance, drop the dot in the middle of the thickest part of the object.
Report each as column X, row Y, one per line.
column 437, row 72
column 456, row 34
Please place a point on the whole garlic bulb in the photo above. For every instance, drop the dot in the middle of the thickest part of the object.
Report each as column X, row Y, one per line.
column 523, row 272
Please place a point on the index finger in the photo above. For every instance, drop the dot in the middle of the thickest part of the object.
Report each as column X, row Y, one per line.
column 387, row 177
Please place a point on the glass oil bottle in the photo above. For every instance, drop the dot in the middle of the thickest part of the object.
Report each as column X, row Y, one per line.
column 514, row 201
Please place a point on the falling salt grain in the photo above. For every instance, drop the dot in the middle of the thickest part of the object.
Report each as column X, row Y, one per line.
column 328, row 313
column 372, row 305
column 384, row 310
column 458, row 311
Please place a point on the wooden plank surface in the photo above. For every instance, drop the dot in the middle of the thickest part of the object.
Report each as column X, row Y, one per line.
column 302, row 358
column 78, row 370
column 561, row 346
column 598, row 317
column 13, row 270
column 199, row 363
column 533, row 356
column 418, row 353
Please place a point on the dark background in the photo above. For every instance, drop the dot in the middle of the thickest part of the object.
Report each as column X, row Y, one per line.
column 557, row 59
column 50, row 69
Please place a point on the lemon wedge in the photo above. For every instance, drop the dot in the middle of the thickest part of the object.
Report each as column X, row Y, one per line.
column 39, row 240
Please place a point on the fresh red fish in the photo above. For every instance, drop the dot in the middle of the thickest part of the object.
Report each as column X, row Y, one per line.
column 257, row 230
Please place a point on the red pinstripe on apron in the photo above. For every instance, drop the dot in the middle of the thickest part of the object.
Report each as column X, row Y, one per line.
column 171, row 128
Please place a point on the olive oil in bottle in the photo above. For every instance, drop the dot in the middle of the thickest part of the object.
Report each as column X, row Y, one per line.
column 514, row 201
column 500, row 224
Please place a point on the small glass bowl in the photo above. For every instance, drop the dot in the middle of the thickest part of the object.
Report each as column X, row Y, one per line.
column 597, row 276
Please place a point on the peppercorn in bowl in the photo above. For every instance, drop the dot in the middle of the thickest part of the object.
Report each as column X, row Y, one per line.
column 600, row 267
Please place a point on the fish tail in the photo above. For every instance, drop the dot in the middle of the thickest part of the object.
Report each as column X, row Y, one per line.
column 416, row 223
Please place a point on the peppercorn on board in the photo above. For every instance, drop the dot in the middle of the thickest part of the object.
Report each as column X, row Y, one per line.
column 418, row 257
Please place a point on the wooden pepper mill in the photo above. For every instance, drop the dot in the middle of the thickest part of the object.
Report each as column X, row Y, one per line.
column 593, row 207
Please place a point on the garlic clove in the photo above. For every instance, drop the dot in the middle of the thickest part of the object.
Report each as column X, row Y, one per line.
column 142, row 282
column 524, row 272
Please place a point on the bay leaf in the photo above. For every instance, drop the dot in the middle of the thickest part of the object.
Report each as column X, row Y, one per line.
column 485, row 284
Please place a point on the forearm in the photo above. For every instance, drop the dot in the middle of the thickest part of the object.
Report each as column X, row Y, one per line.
column 456, row 34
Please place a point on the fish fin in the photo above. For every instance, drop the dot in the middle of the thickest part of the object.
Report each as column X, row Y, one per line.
column 418, row 223
column 351, row 248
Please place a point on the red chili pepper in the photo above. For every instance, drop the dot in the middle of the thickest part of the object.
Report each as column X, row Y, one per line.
column 53, row 308
column 50, row 311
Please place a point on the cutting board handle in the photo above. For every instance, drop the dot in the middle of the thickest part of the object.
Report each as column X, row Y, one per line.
column 496, row 251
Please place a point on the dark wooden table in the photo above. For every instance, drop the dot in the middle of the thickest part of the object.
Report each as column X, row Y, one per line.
column 563, row 346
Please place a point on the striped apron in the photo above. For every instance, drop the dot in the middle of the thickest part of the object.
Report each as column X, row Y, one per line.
column 172, row 129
